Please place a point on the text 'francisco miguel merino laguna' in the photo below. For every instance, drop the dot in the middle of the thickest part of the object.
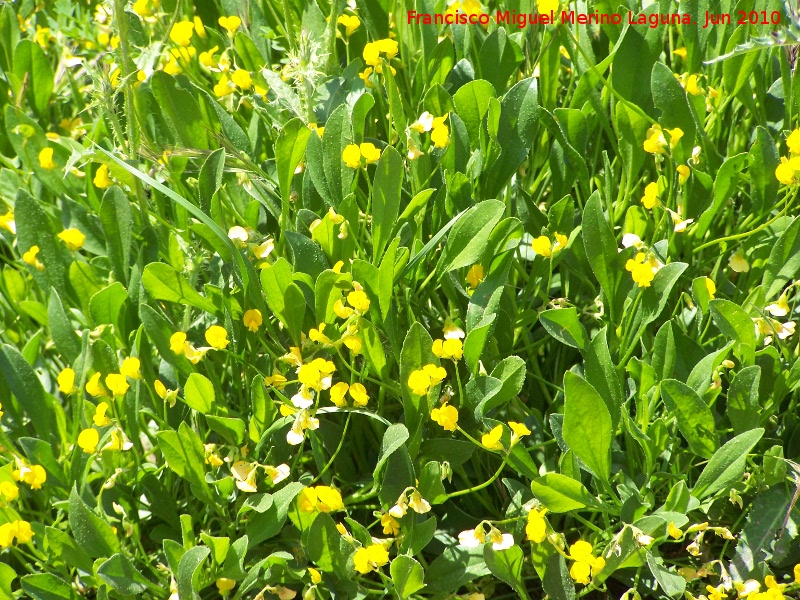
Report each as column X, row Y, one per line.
column 522, row 20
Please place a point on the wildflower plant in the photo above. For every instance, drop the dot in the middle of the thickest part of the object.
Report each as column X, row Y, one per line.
column 301, row 299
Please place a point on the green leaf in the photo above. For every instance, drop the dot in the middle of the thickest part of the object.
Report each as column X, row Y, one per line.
column 199, row 393
column 670, row 97
column 331, row 177
column 600, row 244
column 563, row 325
column 472, row 103
column 733, row 322
column 210, row 178
column 188, row 578
column 587, row 425
column 93, row 534
column 66, row 340
column 115, row 215
column 32, row 69
column 561, row 494
column 163, row 282
column 784, row 260
column 230, row 428
column 120, row 574
column 289, row 151
column 184, row 454
column 67, row 549
column 498, row 58
column 181, row 110
column 294, row 310
column 9, row 36
column 159, row 331
column 393, row 438
column 470, row 236
column 600, row 372
column 557, row 582
column 632, row 129
column 743, row 406
column 695, row 420
column 506, row 565
column 322, row 542
column 262, row 526
column 407, row 576
column 386, row 191
column 105, row 305
column 307, row 256
column 654, row 298
column 25, row 385
column 727, row 465
column 34, row 228
column 672, row 583
column 46, row 586
column 454, row 567
column 430, row 483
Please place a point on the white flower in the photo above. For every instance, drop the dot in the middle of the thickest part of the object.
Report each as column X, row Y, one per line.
column 279, row 473
column 418, row 503
column 738, row 263
column 451, row 331
column 424, row 123
column 471, row 538
column 780, row 308
column 502, row 542
column 238, row 235
column 631, row 239
column 786, row 330
column 304, row 398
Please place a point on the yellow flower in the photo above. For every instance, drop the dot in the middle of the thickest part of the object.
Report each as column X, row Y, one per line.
column 353, row 343
column 181, row 33
column 358, row 300
column 207, row 58
column 419, row 382
column 365, row 75
column 225, row 585
column 390, row 524
column 351, row 156
column 692, row 86
column 711, row 287
column 542, row 246
column 316, row 576
column 320, row 498
column 217, row 337
column 716, row 593
column 655, row 143
column 370, row 558
column 88, row 440
column 446, row 416
column 142, row 8
column 371, row 54
column 519, row 430
column 370, row 153
column 683, row 173
column 797, row 573
column 73, row 238
column 337, row 393
column 675, row 136
column 451, row 348
column 9, row 491
column 586, row 565
column 474, row 276
column 94, row 387
column 117, row 383
column 739, row 263
column 359, row 394
column 7, row 222
column 46, row 159
column 222, row 88
column 101, row 178
column 793, row 142
column 100, row 419
column 641, row 270
column 252, row 319
column 7, row 532
column 316, row 374
column 388, row 46
column 350, row 22
column 242, row 78
column 199, row 28
column 650, row 198
column 34, row 476
column 546, row 6
column 230, row 23
column 491, row 440
column 318, row 130
column 130, row 368
column 423, row 124
column 681, row 52
column 673, row 531
column 560, row 243
column 440, row 135
column 29, row 258
column 536, row 529
column 786, row 171
column 66, row 381
column 177, row 341
column 342, row 311
column 276, row 380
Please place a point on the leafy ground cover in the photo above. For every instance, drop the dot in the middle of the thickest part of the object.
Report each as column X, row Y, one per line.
column 300, row 299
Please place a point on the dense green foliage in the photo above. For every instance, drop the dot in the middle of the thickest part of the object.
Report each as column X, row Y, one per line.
column 299, row 298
